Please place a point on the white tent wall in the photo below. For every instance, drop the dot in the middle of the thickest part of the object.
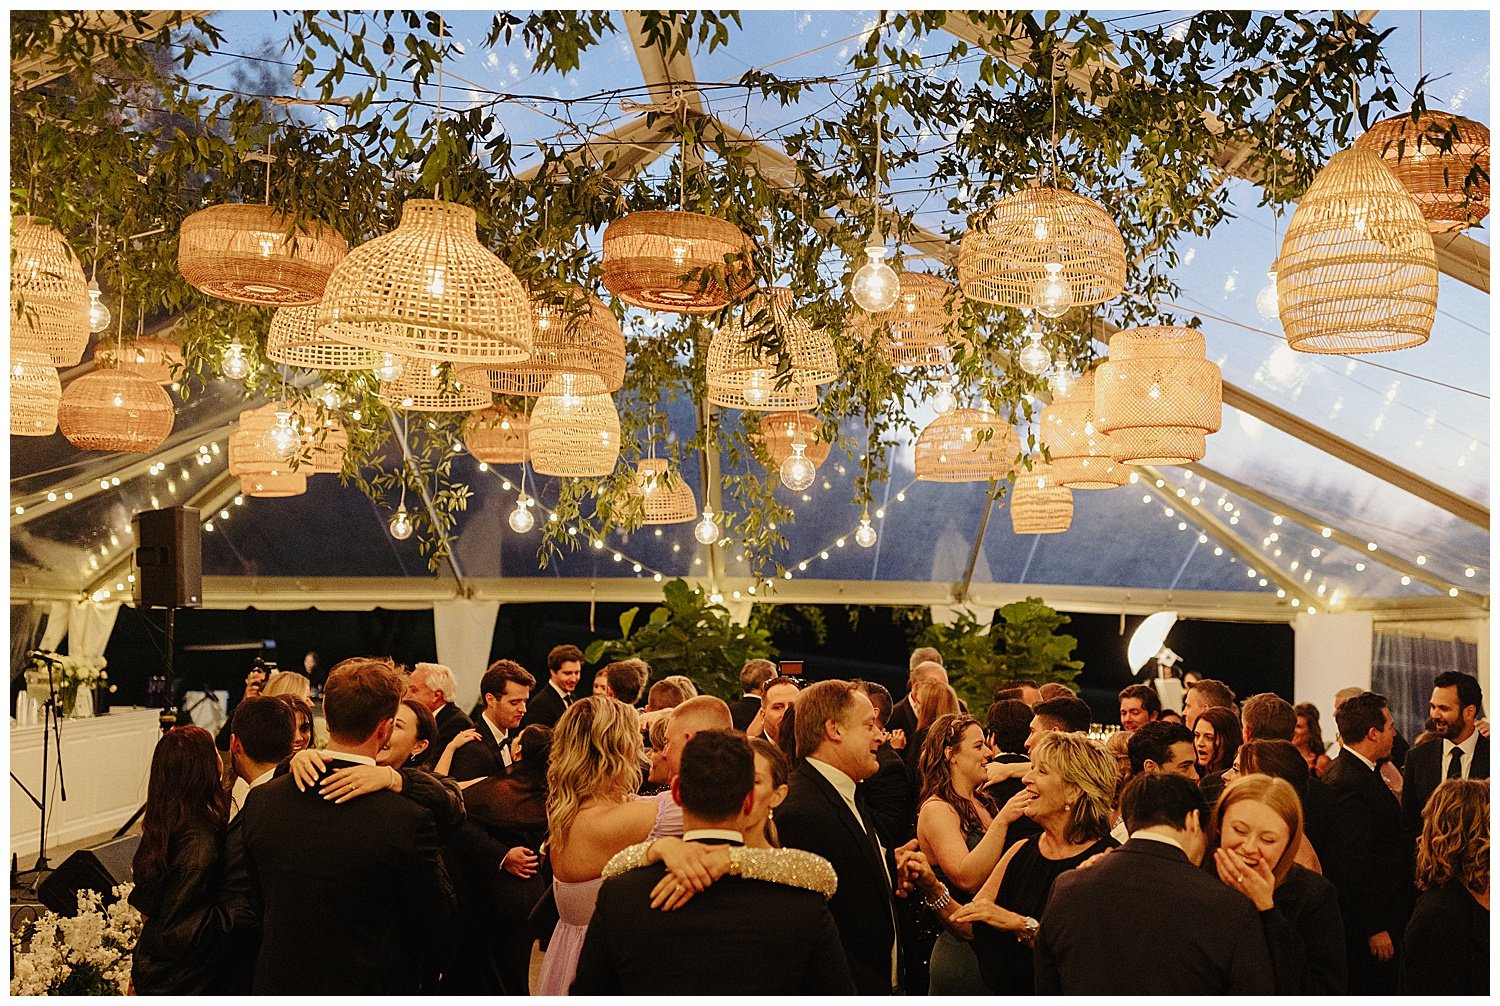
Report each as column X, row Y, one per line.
column 465, row 631
column 1331, row 652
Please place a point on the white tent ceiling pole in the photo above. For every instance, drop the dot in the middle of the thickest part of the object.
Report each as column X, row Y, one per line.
column 662, row 71
column 622, row 151
column 1360, row 545
column 991, row 499
column 106, row 21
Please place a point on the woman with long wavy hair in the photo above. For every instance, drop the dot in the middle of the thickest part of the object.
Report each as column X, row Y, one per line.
column 179, row 868
column 1216, row 740
column 1447, row 947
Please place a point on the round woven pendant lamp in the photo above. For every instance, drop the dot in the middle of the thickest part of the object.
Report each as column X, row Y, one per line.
column 35, row 393
column 778, row 430
column 1080, row 450
column 575, row 434
column 49, row 296
column 1038, row 504
column 274, row 486
column 241, row 252
column 1008, row 249
column 670, row 260
column 575, row 334
column 296, row 339
column 741, row 376
column 115, row 410
column 445, row 295
column 666, row 498
column 1356, row 273
column 1157, row 397
column 497, row 435
column 919, row 330
column 1434, row 177
column 966, row 445
column 420, row 389
column 156, row 358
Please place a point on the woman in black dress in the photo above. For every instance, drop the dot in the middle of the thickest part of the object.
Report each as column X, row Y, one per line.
column 1447, row 948
column 1216, row 739
column 1071, row 785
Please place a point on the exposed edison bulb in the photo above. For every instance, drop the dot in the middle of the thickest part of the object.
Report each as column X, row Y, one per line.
column 435, row 285
column 401, row 524
column 1034, row 358
column 1052, row 296
column 865, row 536
column 390, row 367
column 798, row 471
column 236, row 366
column 680, row 251
column 1062, row 379
column 876, row 286
column 118, row 401
column 282, row 439
column 569, row 399
column 1266, row 301
column 99, row 316
column 757, row 388
column 706, row 530
column 521, row 519
column 943, row 401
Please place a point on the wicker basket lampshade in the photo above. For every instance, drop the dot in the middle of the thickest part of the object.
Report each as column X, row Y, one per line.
column 778, row 430
column 296, row 339
column 734, row 360
column 444, row 295
column 329, row 443
column 1080, row 450
column 575, row 334
column 1038, row 504
column 665, row 496
column 248, row 454
column 1157, row 397
column 1356, row 273
column 49, row 296
column 274, row 486
column 157, row 358
column 966, row 445
column 1008, row 249
column 420, row 389
column 35, row 393
column 917, row 332
column 115, row 410
column 1435, row 178
column 241, row 252
column 574, row 434
column 669, row 260
column 497, row 435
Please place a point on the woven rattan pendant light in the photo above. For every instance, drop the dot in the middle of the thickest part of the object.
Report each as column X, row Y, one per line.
column 497, row 435
column 575, row 334
column 1038, row 504
column 35, row 393
column 445, row 295
column 156, row 358
column 1157, row 397
column 248, row 454
column 574, row 434
column 741, row 376
column 420, row 389
column 329, row 442
column 778, row 430
column 1356, row 273
column 115, row 410
column 295, row 339
column 1435, row 178
column 274, row 486
column 49, row 295
column 671, row 260
column 966, row 445
column 665, row 496
column 919, row 331
column 1080, row 450
column 249, row 253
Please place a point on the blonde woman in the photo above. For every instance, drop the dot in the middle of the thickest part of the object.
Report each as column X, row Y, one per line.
column 1447, row 941
column 288, row 683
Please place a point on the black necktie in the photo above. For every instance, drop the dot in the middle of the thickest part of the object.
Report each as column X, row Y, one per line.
column 1456, row 764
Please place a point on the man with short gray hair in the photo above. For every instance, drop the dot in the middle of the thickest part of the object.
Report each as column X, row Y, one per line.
column 753, row 678
column 926, row 665
column 435, row 687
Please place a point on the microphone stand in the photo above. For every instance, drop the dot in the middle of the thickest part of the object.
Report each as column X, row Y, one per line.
column 50, row 718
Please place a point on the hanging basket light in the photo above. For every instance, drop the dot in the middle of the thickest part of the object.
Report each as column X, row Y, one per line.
column 1038, row 504
column 1039, row 235
column 115, row 410
column 35, row 393
column 49, row 296
column 497, row 435
column 248, row 452
column 574, row 432
column 155, row 358
column 665, row 497
column 575, row 334
column 966, row 445
column 920, row 330
column 1435, row 177
column 274, row 486
column 1356, row 273
column 445, row 295
column 1079, row 448
column 670, row 260
column 420, row 388
column 329, row 442
column 296, row 339
column 1157, row 397
column 742, row 376
column 778, row 430
column 249, row 253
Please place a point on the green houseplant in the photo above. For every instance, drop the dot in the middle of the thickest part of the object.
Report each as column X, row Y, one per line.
column 1023, row 644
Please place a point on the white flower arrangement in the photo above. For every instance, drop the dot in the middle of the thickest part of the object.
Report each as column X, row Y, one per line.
column 89, row 954
column 80, row 672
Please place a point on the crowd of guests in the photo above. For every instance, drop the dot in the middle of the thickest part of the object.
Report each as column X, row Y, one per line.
column 816, row 838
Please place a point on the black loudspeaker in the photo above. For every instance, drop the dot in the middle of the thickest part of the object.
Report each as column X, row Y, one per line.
column 168, row 558
column 98, row 869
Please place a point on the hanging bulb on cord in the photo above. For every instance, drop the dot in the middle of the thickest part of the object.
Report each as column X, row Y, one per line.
column 1052, row 296
column 282, row 439
column 876, row 286
column 99, row 316
column 1266, row 301
column 798, row 470
column 401, row 527
column 943, row 401
column 390, row 368
column 1034, row 358
column 1062, row 379
column 865, row 536
column 521, row 519
column 235, row 366
column 707, row 530
column 757, row 388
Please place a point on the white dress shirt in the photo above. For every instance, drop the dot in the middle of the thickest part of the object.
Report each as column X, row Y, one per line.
column 502, row 738
column 1467, row 761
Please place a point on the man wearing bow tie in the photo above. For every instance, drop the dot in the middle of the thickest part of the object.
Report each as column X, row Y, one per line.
column 504, row 687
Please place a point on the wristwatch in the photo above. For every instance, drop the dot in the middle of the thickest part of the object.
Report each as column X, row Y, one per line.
column 1028, row 935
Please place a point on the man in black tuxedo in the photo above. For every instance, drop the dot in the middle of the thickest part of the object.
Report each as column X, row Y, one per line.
column 347, row 898
column 1145, row 919
column 888, row 793
column 753, row 678
column 504, row 688
column 434, row 686
column 1373, row 868
column 1456, row 706
column 925, row 664
column 550, row 701
column 737, row 937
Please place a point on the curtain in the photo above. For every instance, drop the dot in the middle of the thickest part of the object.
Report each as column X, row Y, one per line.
column 58, row 616
column 465, row 632
column 25, row 630
column 89, row 626
column 1403, row 670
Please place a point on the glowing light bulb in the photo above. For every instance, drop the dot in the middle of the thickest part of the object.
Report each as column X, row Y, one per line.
column 1041, row 231
column 390, row 368
column 235, row 366
column 680, row 252
column 569, row 400
column 876, row 286
column 401, row 527
column 909, row 301
column 1061, row 380
column 943, row 401
column 706, row 530
column 99, row 316
column 798, row 471
column 865, row 536
column 757, row 388
column 282, row 439
column 544, row 318
column 521, row 519
column 266, row 244
column 1155, row 391
column 1034, row 358
column 1266, row 302
column 435, row 286
column 119, row 400
column 1052, row 296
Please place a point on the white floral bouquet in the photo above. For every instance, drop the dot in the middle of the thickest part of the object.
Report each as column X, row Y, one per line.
column 89, row 954
column 79, row 672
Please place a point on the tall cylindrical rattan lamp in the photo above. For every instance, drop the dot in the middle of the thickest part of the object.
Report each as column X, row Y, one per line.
column 1157, row 397
column 1038, row 504
column 574, row 433
column 35, row 393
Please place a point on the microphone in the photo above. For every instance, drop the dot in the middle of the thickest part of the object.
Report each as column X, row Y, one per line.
column 44, row 656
